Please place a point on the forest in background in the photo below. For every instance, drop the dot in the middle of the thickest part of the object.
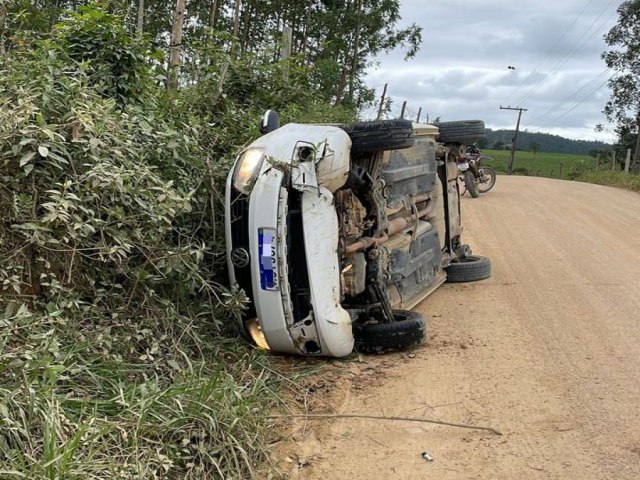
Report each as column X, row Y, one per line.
column 541, row 142
column 118, row 124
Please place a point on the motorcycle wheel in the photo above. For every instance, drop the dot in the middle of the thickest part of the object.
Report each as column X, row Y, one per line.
column 470, row 183
column 461, row 186
column 487, row 179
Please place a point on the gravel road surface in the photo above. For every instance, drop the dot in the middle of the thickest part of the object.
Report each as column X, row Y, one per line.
column 546, row 351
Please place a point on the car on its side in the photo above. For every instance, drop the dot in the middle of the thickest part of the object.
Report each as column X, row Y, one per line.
column 335, row 232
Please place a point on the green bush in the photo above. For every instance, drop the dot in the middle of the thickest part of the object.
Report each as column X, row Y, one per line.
column 111, row 363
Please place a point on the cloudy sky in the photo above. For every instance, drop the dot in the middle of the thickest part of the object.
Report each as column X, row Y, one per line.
column 461, row 70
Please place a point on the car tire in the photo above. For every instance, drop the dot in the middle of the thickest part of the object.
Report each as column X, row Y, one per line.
column 408, row 330
column 468, row 269
column 470, row 184
column 464, row 131
column 380, row 135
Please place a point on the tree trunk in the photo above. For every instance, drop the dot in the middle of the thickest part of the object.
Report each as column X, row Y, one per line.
column 3, row 18
column 356, row 44
column 248, row 11
column 175, row 46
column 342, row 84
column 140, row 22
column 236, row 26
column 303, row 49
column 213, row 13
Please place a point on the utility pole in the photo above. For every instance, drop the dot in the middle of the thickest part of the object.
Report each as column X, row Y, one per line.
column 384, row 93
column 404, row 107
column 514, row 141
column 419, row 112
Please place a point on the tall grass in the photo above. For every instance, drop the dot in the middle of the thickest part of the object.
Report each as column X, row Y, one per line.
column 539, row 164
column 171, row 404
column 613, row 179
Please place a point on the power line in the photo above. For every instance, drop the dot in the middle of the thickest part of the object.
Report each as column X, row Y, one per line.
column 535, row 69
column 555, row 120
column 573, row 95
column 579, row 44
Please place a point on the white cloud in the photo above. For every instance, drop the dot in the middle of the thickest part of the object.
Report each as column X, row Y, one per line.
column 461, row 70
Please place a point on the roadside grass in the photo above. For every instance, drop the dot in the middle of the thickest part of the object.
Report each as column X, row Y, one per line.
column 542, row 164
column 88, row 400
column 612, row 179
column 574, row 167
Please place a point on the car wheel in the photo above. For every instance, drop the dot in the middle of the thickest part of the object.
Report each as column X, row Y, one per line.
column 380, row 135
column 464, row 131
column 470, row 183
column 407, row 330
column 468, row 269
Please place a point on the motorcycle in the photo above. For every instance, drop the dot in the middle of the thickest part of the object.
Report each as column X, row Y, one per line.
column 475, row 177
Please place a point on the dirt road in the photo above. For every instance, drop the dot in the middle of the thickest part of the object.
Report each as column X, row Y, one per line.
column 547, row 351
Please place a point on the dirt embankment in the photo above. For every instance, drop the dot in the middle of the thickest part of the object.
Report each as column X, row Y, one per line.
column 547, row 351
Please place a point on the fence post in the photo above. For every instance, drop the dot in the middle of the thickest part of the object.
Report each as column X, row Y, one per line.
column 627, row 161
column 613, row 160
column 384, row 94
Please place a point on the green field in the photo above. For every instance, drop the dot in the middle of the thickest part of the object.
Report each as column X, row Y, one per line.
column 542, row 164
column 572, row 167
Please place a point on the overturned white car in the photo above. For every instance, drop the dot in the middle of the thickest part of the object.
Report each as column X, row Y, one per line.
column 335, row 232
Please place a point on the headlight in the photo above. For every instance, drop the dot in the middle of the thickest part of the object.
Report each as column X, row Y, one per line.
column 247, row 169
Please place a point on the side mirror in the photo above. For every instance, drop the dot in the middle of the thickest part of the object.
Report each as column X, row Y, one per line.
column 270, row 122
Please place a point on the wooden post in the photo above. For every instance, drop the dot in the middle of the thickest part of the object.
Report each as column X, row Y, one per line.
column 636, row 156
column 627, row 161
column 514, row 141
column 561, row 167
column 419, row 112
column 384, row 93
column 613, row 160
column 404, row 107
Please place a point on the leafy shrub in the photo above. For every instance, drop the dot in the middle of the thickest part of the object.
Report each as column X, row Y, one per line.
column 109, row 361
column 112, row 360
column 579, row 170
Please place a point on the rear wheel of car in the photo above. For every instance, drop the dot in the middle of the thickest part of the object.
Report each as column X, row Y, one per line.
column 407, row 330
column 468, row 269
column 380, row 135
column 464, row 131
column 470, row 183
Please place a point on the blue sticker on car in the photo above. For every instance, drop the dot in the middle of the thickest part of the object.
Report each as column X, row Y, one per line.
column 268, row 259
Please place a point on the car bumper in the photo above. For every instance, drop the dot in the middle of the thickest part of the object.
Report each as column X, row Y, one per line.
column 285, row 258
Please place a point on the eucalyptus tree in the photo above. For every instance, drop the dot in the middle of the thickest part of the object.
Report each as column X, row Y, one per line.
column 624, row 59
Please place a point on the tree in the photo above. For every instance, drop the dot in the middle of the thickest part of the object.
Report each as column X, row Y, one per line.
column 534, row 147
column 175, row 47
column 624, row 59
column 3, row 18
